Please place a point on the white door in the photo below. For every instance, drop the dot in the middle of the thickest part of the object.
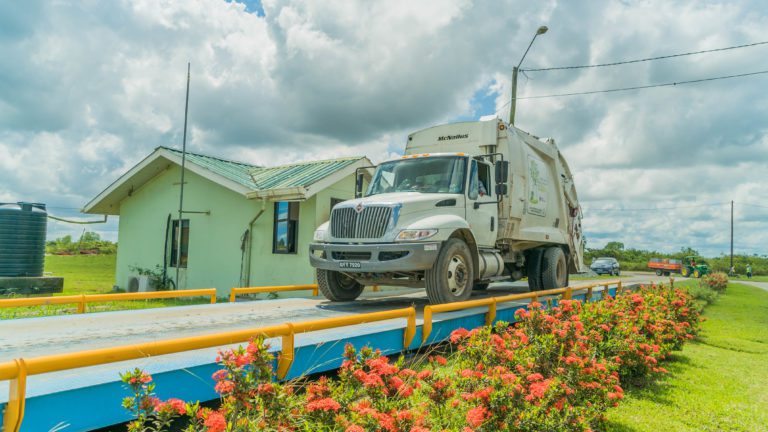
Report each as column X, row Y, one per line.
column 481, row 207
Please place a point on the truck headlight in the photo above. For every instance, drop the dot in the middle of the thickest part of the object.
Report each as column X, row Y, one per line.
column 319, row 235
column 415, row 234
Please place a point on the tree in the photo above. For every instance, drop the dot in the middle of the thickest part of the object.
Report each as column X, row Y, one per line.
column 614, row 245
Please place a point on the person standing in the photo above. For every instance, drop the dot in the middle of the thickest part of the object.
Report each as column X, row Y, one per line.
column 749, row 271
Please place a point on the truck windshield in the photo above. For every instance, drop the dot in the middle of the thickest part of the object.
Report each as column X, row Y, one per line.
column 426, row 175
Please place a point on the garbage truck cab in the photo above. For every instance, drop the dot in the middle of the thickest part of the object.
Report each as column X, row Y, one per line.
column 468, row 204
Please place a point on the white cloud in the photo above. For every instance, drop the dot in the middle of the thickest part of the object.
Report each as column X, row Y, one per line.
column 87, row 90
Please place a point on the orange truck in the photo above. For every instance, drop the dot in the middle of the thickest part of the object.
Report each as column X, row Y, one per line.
column 665, row 266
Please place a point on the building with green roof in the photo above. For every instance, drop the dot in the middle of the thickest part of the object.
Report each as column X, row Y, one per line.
column 243, row 224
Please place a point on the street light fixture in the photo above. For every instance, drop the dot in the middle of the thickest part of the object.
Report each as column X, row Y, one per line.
column 540, row 31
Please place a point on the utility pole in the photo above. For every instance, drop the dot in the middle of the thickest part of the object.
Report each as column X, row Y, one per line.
column 513, row 102
column 731, row 233
column 179, row 225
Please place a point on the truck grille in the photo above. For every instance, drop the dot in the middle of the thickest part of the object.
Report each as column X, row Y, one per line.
column 370, row 223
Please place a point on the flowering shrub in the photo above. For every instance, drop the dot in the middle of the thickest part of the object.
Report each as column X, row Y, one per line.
column 559, row 368
column 716, row 281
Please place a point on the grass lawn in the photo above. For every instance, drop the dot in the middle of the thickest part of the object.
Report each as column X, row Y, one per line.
column 754, row 278
column 718, row 382
column 83, row 274
column 89, row 274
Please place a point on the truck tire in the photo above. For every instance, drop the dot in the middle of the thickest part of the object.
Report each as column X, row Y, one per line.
column 533, row 267
column 338, row 287
column 684, row 272
column 451, row 277
column 554, row 269
column 659, row 272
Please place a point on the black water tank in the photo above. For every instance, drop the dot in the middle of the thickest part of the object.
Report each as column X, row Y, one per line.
column 22, row 239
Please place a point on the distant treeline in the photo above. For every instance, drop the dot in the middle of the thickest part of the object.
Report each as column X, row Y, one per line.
column 90, row 243
column 637, row 259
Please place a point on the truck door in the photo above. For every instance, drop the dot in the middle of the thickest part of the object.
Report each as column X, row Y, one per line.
column 481, row 208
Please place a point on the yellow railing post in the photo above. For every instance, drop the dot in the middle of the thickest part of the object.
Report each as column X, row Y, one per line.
column 81, row 304
column 619, row 289
column 410, row 329
column 232, row 293
column 568, row 293
column 14, row 409
column 213, row 298
column 426, row 327
column 315, row 292
column 287, row 353
column 491, row 315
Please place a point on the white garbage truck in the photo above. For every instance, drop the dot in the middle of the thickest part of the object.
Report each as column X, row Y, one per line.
column 469, row 204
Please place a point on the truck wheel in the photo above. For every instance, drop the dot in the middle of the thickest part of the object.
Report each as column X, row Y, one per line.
column 451, row 277
column 533, row 266
column 696, row 273
column 659, row 272
column 684, row 272
column 337, row 286
column 554, row 271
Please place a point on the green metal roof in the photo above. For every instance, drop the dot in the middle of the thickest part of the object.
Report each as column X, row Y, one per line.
column 263, row 178
column 299, row 174
column 238, row 172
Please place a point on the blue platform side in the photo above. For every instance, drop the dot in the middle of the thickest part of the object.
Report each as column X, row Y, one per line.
column 90, row 398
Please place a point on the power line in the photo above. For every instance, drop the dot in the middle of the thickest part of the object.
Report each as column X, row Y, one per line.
column 670, row 84
column 752, row 205
column 659, row 208
column 644, row 59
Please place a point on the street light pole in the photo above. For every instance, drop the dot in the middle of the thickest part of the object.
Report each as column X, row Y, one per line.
column 513, row 103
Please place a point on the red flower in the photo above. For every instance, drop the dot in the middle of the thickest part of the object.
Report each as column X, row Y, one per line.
column 476, row 416
column 224, row 387
column 215, row 422
column 354, row 428
column 325, row 404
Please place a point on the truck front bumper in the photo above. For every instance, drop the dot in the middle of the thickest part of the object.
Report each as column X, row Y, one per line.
column 373, row 258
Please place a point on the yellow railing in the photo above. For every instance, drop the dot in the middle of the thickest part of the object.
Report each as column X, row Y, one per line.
column 17, row 370
column 82, row 300
column 492, row 302
column 234, row 292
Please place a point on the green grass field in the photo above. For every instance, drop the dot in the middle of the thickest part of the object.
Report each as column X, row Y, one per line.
column 716, row 383
column 88, row 274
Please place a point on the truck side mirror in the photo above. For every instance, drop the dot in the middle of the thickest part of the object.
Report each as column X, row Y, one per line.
column 502, row 171
column 501, row 189
column 359, row 185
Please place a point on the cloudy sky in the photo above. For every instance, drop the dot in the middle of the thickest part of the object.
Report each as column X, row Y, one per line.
column 88, row 88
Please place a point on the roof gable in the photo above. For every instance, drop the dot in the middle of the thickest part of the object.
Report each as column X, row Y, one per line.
column 289, row 182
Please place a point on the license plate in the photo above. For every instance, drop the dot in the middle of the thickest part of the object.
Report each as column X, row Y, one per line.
column 349, row 265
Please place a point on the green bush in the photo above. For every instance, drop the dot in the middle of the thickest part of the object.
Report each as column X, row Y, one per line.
column 703, row 294
column 716, row 281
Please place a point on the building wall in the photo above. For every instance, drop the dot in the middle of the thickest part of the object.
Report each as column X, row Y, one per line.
column 214, row 245
column 286, row 269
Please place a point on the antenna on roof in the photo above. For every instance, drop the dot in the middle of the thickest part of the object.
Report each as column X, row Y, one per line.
column 180, row 223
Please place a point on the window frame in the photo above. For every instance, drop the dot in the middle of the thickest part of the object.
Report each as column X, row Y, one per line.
column 292, row 228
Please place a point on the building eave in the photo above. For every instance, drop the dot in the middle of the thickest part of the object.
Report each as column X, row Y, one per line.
column 108, row 201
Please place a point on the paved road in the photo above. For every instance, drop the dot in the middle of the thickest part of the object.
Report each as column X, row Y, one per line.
column 761, row 285
column 31, row 337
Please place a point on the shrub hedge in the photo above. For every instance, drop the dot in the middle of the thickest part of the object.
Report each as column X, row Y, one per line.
column 559, row 368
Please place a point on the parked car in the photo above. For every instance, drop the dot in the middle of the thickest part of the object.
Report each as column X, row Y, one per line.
column 606, row 265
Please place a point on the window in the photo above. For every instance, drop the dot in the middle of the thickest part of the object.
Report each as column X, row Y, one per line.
column 286, row 227
column 479, row 180
column 184, row 243
column 335, row 201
